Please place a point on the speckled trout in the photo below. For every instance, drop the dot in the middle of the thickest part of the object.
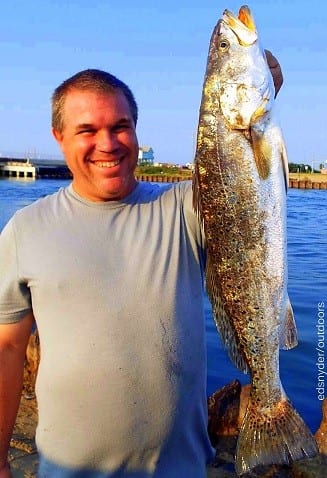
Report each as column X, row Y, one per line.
column 240, row 184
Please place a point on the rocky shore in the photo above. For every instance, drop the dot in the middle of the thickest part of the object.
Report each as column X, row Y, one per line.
column 226, row 409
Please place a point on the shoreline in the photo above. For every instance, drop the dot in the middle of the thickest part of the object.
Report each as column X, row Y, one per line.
column 294, row 183
column 310, row 181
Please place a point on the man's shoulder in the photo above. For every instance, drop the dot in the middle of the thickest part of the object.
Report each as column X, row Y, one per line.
column 153, row 191
column 43, row 206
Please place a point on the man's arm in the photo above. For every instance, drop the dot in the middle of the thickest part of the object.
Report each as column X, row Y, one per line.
column 13, row 343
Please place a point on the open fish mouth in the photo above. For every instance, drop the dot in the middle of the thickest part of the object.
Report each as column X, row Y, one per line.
column 245, row 84
column 243, row 26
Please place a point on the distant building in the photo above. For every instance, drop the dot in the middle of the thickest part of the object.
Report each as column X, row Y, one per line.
column 146, row 156
column 189, row 166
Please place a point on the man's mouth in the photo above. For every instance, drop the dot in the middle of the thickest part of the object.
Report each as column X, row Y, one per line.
column 106, row 164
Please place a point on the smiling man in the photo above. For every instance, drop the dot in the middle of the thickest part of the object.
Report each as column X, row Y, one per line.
column 112, row 272
column 95, row 128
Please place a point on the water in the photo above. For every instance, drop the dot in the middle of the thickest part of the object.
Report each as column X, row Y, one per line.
column 307, row 239
column 307, row 249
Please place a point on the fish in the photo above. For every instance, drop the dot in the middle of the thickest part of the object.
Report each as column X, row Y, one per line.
column 240, row 186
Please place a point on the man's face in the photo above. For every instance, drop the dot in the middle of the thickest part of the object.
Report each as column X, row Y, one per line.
column 99, row 144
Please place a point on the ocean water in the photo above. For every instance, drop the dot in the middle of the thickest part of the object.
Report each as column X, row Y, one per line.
column 303, row 369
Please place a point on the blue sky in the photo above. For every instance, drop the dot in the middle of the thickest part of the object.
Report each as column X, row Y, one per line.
column 160, row 49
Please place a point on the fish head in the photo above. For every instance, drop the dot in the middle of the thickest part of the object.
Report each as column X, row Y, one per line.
column 245, row 86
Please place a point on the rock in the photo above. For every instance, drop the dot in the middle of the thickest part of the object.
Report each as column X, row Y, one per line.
column 310, row 468
column 271, row 471
column 223, row 411
column 321, row 433
column 223, row 428
column 220, row 473
column 32, row 360
column 226, row 410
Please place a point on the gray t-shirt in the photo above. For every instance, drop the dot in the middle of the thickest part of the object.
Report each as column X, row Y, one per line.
column 117, row 293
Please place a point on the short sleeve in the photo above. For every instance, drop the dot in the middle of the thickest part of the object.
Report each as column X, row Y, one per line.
column 191, row 217
column 15, row 301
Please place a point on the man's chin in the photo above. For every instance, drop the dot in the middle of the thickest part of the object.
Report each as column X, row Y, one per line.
column 118, row 188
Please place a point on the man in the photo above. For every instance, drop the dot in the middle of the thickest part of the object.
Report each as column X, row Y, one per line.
column 112, row 272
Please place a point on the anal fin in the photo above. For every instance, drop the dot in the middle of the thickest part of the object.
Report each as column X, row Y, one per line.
column 288, row 333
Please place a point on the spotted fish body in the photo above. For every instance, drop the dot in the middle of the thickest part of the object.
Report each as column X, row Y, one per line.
column 240, row 184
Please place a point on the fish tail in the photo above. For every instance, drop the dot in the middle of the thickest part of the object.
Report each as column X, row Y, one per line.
column 274, row 436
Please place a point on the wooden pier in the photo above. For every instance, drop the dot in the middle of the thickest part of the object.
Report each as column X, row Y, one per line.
column 307, row 184
column 293, row 183
column 161, row 178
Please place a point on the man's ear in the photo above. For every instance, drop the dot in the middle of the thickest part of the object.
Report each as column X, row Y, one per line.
column 57, row 135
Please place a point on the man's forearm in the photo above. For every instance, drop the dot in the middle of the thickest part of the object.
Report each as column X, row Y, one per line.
column 11, row 381
column 13, row 342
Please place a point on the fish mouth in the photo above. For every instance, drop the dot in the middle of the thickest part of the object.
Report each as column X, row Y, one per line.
column 243, row 25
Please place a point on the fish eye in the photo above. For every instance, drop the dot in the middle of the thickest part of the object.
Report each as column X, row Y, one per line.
column 223, row 45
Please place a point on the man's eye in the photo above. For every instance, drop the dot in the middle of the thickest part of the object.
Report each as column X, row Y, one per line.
column 86, row 131
column 121, row 127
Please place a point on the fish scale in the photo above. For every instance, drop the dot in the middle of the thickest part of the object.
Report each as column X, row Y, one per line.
column 240, row 196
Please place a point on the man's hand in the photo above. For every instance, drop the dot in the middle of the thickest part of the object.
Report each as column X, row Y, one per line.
column 275, row 70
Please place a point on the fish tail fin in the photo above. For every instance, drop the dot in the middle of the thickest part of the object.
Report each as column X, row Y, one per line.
column 274, row 436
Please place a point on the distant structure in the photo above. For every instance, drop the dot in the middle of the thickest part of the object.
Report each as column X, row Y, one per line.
column 17, row 169
column 146, row 156
column 25, row 168
column 189, row 166
column 15, row 165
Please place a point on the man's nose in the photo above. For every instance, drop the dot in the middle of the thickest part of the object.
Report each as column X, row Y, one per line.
column 106, row 141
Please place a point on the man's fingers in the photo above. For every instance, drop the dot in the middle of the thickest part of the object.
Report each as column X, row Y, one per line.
column 275, row 70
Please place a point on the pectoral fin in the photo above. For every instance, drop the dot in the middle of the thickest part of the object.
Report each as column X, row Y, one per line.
column 262, row 152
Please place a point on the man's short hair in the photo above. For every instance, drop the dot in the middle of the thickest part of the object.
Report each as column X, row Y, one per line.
column 92, row 80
